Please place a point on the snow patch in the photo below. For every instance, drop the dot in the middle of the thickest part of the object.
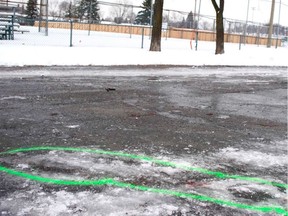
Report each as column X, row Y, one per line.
column 73, row 126
column 13, row 97
column 37, row 199
column 112, row 202
column 254, row 158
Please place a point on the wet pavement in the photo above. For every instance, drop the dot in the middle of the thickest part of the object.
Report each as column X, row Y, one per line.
column 186, row 121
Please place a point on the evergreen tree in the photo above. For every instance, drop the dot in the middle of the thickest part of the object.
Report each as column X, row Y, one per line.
column 88, row 9
column 32, row 11
column 143, row 16
column 93, row 14
column 189, row 20
column 81, row 8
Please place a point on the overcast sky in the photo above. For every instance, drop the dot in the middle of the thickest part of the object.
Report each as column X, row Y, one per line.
column 259, row 10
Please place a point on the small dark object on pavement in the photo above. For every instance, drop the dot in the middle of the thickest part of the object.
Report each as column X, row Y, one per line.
column 110, row 89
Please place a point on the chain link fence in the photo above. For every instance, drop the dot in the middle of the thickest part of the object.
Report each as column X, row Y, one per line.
column 62, row 31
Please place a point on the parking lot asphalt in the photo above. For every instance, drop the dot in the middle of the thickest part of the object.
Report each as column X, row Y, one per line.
column 187, row 142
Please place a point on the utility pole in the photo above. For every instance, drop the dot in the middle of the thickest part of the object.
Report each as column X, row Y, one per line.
column 46, row 24
column 90, row 15
column 246, row 24
column 278, row 27
column 194, row 15
column 269, row 41
column 197, row 33
column 151, row 17
column 40, row 16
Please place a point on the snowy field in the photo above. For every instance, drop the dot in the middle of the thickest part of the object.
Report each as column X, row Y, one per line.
column 102, row 48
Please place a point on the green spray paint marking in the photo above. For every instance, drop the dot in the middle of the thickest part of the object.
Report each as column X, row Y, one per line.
column 112, row 182
column 150, row 159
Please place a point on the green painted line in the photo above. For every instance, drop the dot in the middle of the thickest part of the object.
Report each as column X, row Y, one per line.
column 153, row 160
column 112, row 182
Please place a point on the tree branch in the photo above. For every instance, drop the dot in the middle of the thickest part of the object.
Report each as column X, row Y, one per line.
column 216, row 7
column 222, row 5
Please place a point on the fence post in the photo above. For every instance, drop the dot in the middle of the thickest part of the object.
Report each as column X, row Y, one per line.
column 258, row 35
column 142, row 41
column 71, row 30
column 46, row 23
column 13, row 20
column 196, row 45
column 240, row 40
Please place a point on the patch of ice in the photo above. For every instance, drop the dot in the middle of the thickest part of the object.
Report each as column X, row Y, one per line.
column 108, row 200
column 99, row 166
column 73, row 126
column 23, row 166
column 252, row 157
column 222, row 188
column 13, row 97
column 223, row 117
column 182, row 118
column 112, row 202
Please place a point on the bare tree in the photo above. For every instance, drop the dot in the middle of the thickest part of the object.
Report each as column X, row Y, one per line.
column 270, row 30
column 53, row 8
column 122, row 12
column 206, row 25
column 219, row 26
column 157, row 26
column 63, row 8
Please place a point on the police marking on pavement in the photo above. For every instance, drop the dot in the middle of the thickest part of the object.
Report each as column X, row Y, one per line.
column 112, row 182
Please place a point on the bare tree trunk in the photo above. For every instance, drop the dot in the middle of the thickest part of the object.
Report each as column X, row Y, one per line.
column 157, row 26
column 219, row 26
column 270, row 31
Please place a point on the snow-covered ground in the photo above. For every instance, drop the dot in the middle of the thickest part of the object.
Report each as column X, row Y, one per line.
column 37, row 199
column 102, row 48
